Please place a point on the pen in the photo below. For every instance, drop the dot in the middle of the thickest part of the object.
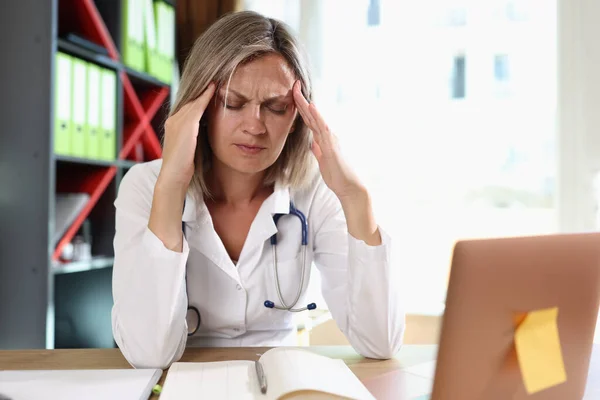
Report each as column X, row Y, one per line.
column 262, row 379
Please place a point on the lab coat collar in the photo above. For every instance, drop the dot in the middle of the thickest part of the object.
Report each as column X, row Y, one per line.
column 277, row 203
column 189, row 209
column 281, row 199
column 264, row 226
column 196, row 216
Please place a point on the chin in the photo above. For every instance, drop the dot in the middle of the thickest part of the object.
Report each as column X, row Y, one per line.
column 250, row 168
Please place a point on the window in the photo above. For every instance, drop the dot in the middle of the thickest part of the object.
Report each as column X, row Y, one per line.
column 440, row 170
column 373, row 13
column 501, row 71
column 458, row 77
column 516, row 10
column 457, row 16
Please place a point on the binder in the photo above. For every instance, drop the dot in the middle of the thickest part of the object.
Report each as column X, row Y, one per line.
column 152, row 59
column 160, row 39
column 133, row 34
column 62, row 103
column 108, row 140
column 170, row 43
column 79, row 109
column 92, row 134
column 164, row 48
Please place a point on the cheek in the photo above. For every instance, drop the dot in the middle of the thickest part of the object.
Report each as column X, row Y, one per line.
column 222, row 125
column 279, row 128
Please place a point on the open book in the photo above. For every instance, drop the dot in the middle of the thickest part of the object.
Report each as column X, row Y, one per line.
column 290, row 373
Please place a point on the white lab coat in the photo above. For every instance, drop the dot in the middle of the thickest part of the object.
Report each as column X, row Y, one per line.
column 151, row 297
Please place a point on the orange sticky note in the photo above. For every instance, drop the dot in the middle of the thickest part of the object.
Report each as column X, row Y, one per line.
column 539, row 352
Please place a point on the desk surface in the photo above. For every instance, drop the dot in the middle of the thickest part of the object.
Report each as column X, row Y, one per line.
column 381, row 377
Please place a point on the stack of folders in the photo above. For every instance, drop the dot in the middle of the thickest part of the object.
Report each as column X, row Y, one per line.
column 85, row 105
column 149, row 37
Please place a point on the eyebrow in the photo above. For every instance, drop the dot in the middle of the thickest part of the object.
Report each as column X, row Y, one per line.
column 267, row 100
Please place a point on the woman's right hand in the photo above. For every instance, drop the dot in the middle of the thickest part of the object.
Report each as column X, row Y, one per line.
column 181, row 138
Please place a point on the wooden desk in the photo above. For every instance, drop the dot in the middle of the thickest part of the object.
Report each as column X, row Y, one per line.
column 381, row 377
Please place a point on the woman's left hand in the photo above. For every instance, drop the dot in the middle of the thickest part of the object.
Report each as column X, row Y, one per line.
column 336, row 174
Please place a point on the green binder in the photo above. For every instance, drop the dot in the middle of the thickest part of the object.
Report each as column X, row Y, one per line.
column 133, row 34
column 62, row 104
column 152, row 59
column 164, row 48
column 108, row 140
column 170, row 11
column 92, row 134
column 79, row 109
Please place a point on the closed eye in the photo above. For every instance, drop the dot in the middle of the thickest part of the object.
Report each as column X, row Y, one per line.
column 231, row 105
column 278, row 110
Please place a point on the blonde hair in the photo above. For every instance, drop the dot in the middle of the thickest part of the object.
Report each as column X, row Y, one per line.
column 235, row 39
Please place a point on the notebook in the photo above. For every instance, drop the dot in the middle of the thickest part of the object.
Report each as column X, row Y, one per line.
column 290, row 373
column 79, row 384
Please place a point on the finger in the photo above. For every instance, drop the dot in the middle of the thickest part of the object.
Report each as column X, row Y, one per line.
column 316, row 151
column 302, row 106
column 199, row 105
column 196, row 107
column 322, row 127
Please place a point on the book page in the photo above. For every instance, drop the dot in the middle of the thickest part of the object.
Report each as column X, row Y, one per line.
column 211, row 380
column 295, row 372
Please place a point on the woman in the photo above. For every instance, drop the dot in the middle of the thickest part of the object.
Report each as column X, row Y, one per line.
column 237, row 151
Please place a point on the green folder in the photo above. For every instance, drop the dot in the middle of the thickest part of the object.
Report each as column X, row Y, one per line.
column 160, row 39
column 92, row 134
column 152, row 59
column 164, row 46
column 79, row 108
column 108, row 140
column 133, row 34
column 170, row 43
column 62, row 103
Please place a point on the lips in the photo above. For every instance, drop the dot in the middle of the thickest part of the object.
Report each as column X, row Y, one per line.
column 249, row 149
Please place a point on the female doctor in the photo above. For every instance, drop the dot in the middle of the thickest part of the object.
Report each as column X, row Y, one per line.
column 214, row 242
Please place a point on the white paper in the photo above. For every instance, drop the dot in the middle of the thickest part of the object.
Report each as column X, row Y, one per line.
column 426, row 369
column 287, row 371
column 79, row 384
column 212, row 380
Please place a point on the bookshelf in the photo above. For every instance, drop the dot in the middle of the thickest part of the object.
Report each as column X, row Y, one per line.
column 46, row 302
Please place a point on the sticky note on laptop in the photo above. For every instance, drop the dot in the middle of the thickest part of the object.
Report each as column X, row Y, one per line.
column 539, row 352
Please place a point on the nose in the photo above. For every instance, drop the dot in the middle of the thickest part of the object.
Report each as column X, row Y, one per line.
column 253, row 123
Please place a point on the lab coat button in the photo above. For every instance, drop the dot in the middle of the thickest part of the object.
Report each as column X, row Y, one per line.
column 238, row 287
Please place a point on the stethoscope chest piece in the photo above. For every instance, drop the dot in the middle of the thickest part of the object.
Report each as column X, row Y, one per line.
column 193, row 320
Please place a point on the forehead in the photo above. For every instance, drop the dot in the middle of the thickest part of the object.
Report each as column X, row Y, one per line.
column 267, row 76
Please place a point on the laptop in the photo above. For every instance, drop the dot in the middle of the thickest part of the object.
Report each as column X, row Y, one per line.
column 493, row 284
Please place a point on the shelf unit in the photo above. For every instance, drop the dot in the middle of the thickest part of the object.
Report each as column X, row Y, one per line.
column 46, row 303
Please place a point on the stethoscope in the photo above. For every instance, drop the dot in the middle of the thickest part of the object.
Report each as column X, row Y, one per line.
column 193, row 315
